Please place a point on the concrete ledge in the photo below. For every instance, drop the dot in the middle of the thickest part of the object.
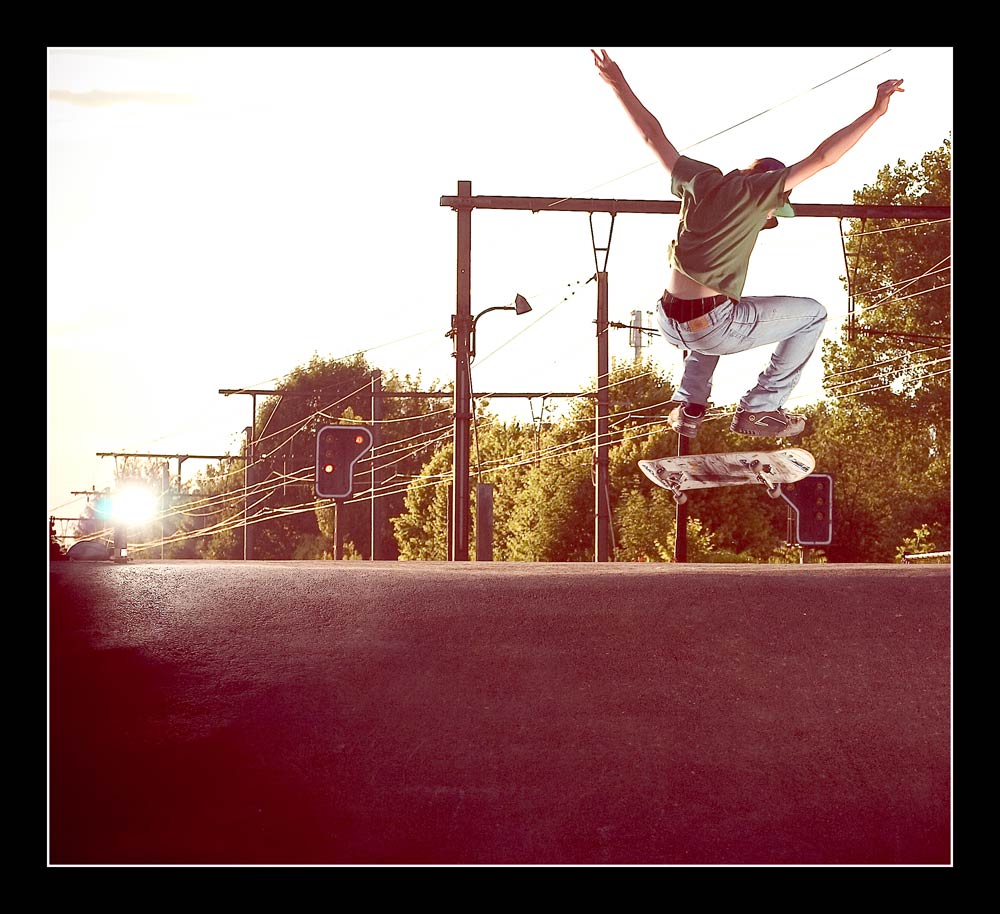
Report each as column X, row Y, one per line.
column 464, row 713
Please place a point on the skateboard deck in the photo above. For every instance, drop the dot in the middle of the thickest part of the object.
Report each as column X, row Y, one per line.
column 707, row 471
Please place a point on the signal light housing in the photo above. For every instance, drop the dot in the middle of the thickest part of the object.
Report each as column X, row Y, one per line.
column 811, row 499
column 338, row 448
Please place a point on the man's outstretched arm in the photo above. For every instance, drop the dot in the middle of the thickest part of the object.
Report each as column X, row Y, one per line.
column 647, row 125
column 833, row 147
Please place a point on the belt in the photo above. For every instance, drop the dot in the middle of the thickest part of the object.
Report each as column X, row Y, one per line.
column 683, row 310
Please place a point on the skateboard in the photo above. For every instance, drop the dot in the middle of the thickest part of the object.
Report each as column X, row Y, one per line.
column 707, row 471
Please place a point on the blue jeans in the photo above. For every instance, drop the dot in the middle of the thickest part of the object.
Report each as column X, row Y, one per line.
column 795, row 324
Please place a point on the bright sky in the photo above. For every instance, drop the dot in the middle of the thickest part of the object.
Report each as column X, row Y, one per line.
column 218, row 215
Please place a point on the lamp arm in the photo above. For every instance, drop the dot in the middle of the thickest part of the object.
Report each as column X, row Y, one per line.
column 472, row 330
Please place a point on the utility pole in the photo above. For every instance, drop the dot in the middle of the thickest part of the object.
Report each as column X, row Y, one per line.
column 681, row 510
column 602, row 497
column 636, row 334
column 378, row 508
column 164, row 495
column 462, row 327
column 602, row 501
column 247, row 474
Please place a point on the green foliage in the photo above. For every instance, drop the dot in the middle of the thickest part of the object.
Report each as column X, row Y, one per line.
column 562, row 479
column 884, row 433
column 311, row 548
column 321, row 547
column 898, row 341
column 921, row 542
column 216, row 511
column 646, row 529
column 422, row 529
column 503, row 456
column 227, row 544
column 564, row 530
column 544, row 493
column 644, row 526
column 278, row 494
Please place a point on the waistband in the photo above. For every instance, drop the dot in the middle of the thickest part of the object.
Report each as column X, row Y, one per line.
column 683, row 310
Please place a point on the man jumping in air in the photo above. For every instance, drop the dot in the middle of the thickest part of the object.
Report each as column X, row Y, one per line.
column 703, row 310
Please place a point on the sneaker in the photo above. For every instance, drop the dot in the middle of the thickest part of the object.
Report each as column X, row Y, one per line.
column 776, row 424
column 682, row 422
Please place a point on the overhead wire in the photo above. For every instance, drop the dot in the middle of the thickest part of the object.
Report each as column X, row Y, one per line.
column 561, row 450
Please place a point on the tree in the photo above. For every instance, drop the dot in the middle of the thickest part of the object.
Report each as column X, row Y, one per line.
column 215, row 511
column 94, row 522
column 287, row 520
column 553, row 515
column 502, row 455
column 884, row 433
column 281, row 480
column 545, row 499
column 422, row 528
column 551, row 518
column 733, row 521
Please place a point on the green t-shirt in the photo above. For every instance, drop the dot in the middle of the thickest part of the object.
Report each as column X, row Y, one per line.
column 720, row 219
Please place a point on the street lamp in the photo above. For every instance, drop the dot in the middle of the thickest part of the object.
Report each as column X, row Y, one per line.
column 520, row 305
column 463, row 332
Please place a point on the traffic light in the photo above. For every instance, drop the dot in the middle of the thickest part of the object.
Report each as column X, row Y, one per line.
column 338, row 448
column 812, row 501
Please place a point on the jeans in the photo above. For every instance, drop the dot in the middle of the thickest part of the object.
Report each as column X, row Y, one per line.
column 795, row 324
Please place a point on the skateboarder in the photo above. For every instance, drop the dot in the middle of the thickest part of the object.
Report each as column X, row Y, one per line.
column 703, row 310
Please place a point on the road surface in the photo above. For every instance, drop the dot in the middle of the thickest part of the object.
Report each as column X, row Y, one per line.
column 325, row 713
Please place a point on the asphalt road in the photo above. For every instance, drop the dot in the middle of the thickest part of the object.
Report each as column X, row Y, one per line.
column 356, row 713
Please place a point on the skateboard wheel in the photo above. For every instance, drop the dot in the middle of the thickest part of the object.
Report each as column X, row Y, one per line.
column 775, row 492
column 680, row 498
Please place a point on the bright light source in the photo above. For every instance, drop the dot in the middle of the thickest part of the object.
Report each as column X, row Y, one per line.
column 133, row 504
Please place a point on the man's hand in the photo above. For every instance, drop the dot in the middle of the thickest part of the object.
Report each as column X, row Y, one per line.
column 833, row 147
column 644, row 121
column 610, row 71
column 884, row 93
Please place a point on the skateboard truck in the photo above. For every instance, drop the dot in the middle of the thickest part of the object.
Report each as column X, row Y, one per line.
column 673, row 482
column 773, row 488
